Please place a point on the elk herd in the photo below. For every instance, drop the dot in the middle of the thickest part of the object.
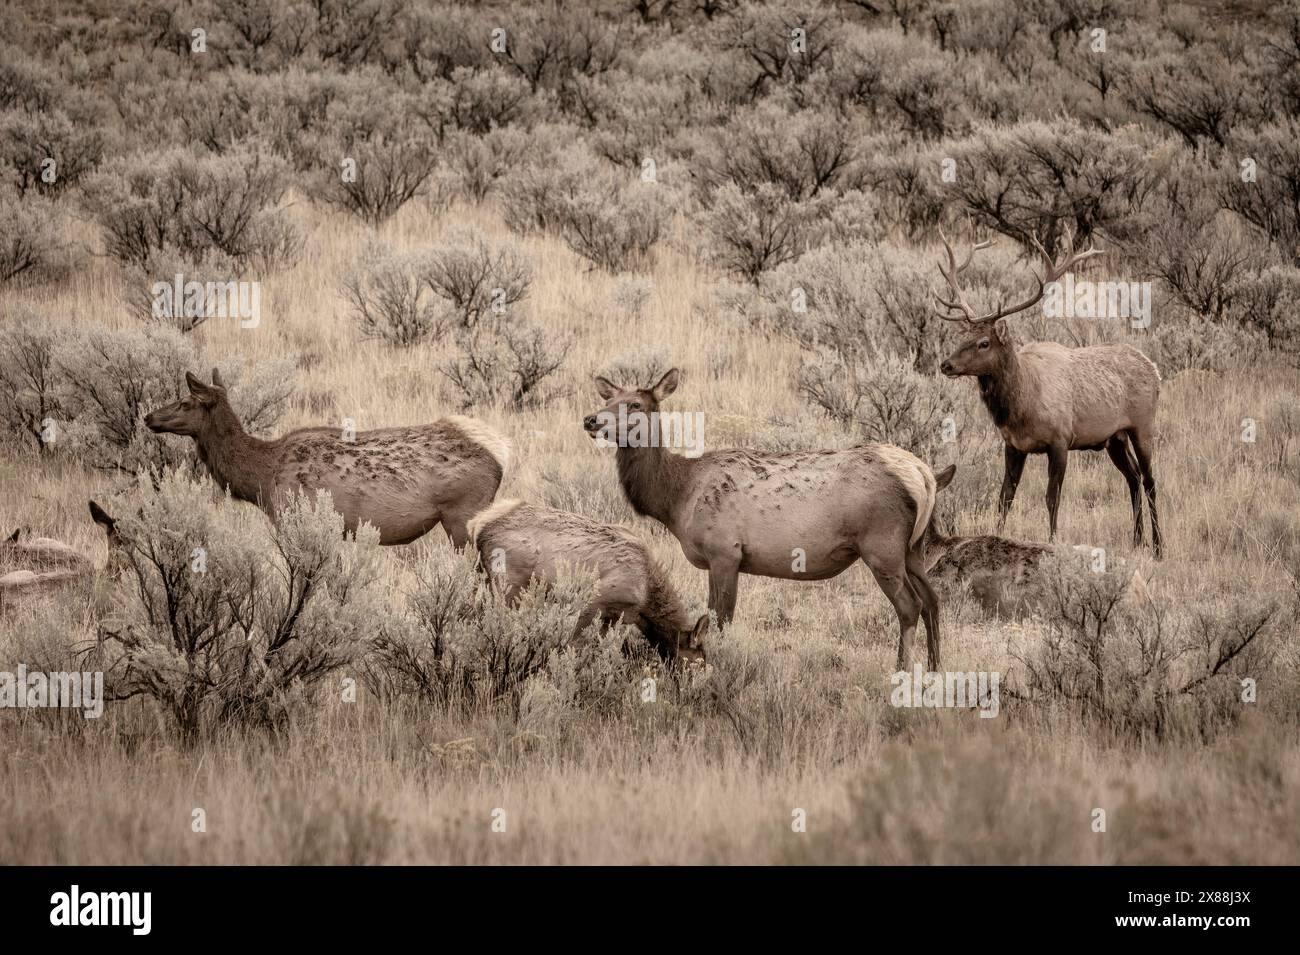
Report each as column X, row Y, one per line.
column 804, row 515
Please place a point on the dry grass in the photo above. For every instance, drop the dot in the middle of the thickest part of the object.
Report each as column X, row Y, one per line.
column 374, row 782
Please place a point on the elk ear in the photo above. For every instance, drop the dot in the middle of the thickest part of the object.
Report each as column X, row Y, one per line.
column 667, row 384
column 216, row 379
column 1002, row 331
column 943, row 478
column 205, row 393
column 606, row 388
column 696, row 641
column 100, row 517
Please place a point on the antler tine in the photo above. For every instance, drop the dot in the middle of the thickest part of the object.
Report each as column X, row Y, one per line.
column 1069, row 258
column 950, row 274
column 979, row 246
column 1052, row 273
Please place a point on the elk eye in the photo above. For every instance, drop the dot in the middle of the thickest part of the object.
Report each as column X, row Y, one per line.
column 635, row 406
column 984, row 343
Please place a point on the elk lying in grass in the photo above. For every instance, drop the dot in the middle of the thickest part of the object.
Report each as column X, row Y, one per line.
column 797, row 516
column 32, row 566
column 28, row 562
column 1048, row 399
column 1005, row 576
column 403, row 481
column 518, row 542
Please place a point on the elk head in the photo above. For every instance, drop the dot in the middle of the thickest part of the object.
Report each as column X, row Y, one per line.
column 100, row 517
column 622, row 404
column 689, row 644
column 985, row 349
column 190, row 415
column 118, row 559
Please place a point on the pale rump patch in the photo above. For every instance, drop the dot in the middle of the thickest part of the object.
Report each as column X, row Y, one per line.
column 916, row 476
column 489, row 440
column 494, row 511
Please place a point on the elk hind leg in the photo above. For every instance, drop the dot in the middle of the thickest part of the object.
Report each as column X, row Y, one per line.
column 1122, row 457
column 892, row 577
column 1057, row 458
column 923, row 590
column 1141, row 439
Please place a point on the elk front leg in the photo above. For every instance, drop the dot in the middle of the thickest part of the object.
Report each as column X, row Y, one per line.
column 1014, row 461
column 1057, row 456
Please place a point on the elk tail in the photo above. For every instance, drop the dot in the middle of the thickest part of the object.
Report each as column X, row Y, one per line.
column 920, row 483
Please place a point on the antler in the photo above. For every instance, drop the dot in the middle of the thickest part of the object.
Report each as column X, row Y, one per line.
column 950, row 274
column 1053, row 273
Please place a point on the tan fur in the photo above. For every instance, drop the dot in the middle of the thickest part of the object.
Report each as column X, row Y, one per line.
column 492, row 442
column 30, row 564
column 520, row 542
column 917, row 477
column 1048, row 399
column 489, row 514
column 806, row 515
column 1004, row 574
column 1080, row 396
column 403, row 481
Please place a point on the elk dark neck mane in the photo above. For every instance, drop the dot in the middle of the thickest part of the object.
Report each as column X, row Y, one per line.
column 236, row 460
column 1001, row 391
column 653, row 480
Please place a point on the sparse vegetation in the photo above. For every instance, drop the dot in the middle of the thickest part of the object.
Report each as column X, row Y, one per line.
column 622, row 190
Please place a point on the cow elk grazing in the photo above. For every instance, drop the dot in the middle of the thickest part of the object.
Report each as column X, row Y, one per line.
column 403, row 481
column 1048, row 399
column 797, row 516
column 518, row 542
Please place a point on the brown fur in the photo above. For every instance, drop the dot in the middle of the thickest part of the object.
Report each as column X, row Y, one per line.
column 1048, row 399
column 21, row 551
column 741, row 511
column 518, row 542
column 1004, row 575
column 403, row 481
column 30, row 565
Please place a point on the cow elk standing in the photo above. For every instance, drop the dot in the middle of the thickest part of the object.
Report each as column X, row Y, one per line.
column 519, row 542
column 403, row 481
column 797, row 516
column 1048, row 399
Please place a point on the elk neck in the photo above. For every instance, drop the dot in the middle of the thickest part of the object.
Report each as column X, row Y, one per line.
column 1000, row 391
column 664, row 610
column 654, row 480
column 237, row 461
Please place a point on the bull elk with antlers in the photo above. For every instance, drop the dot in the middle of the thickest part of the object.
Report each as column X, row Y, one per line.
column 1046, row 398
